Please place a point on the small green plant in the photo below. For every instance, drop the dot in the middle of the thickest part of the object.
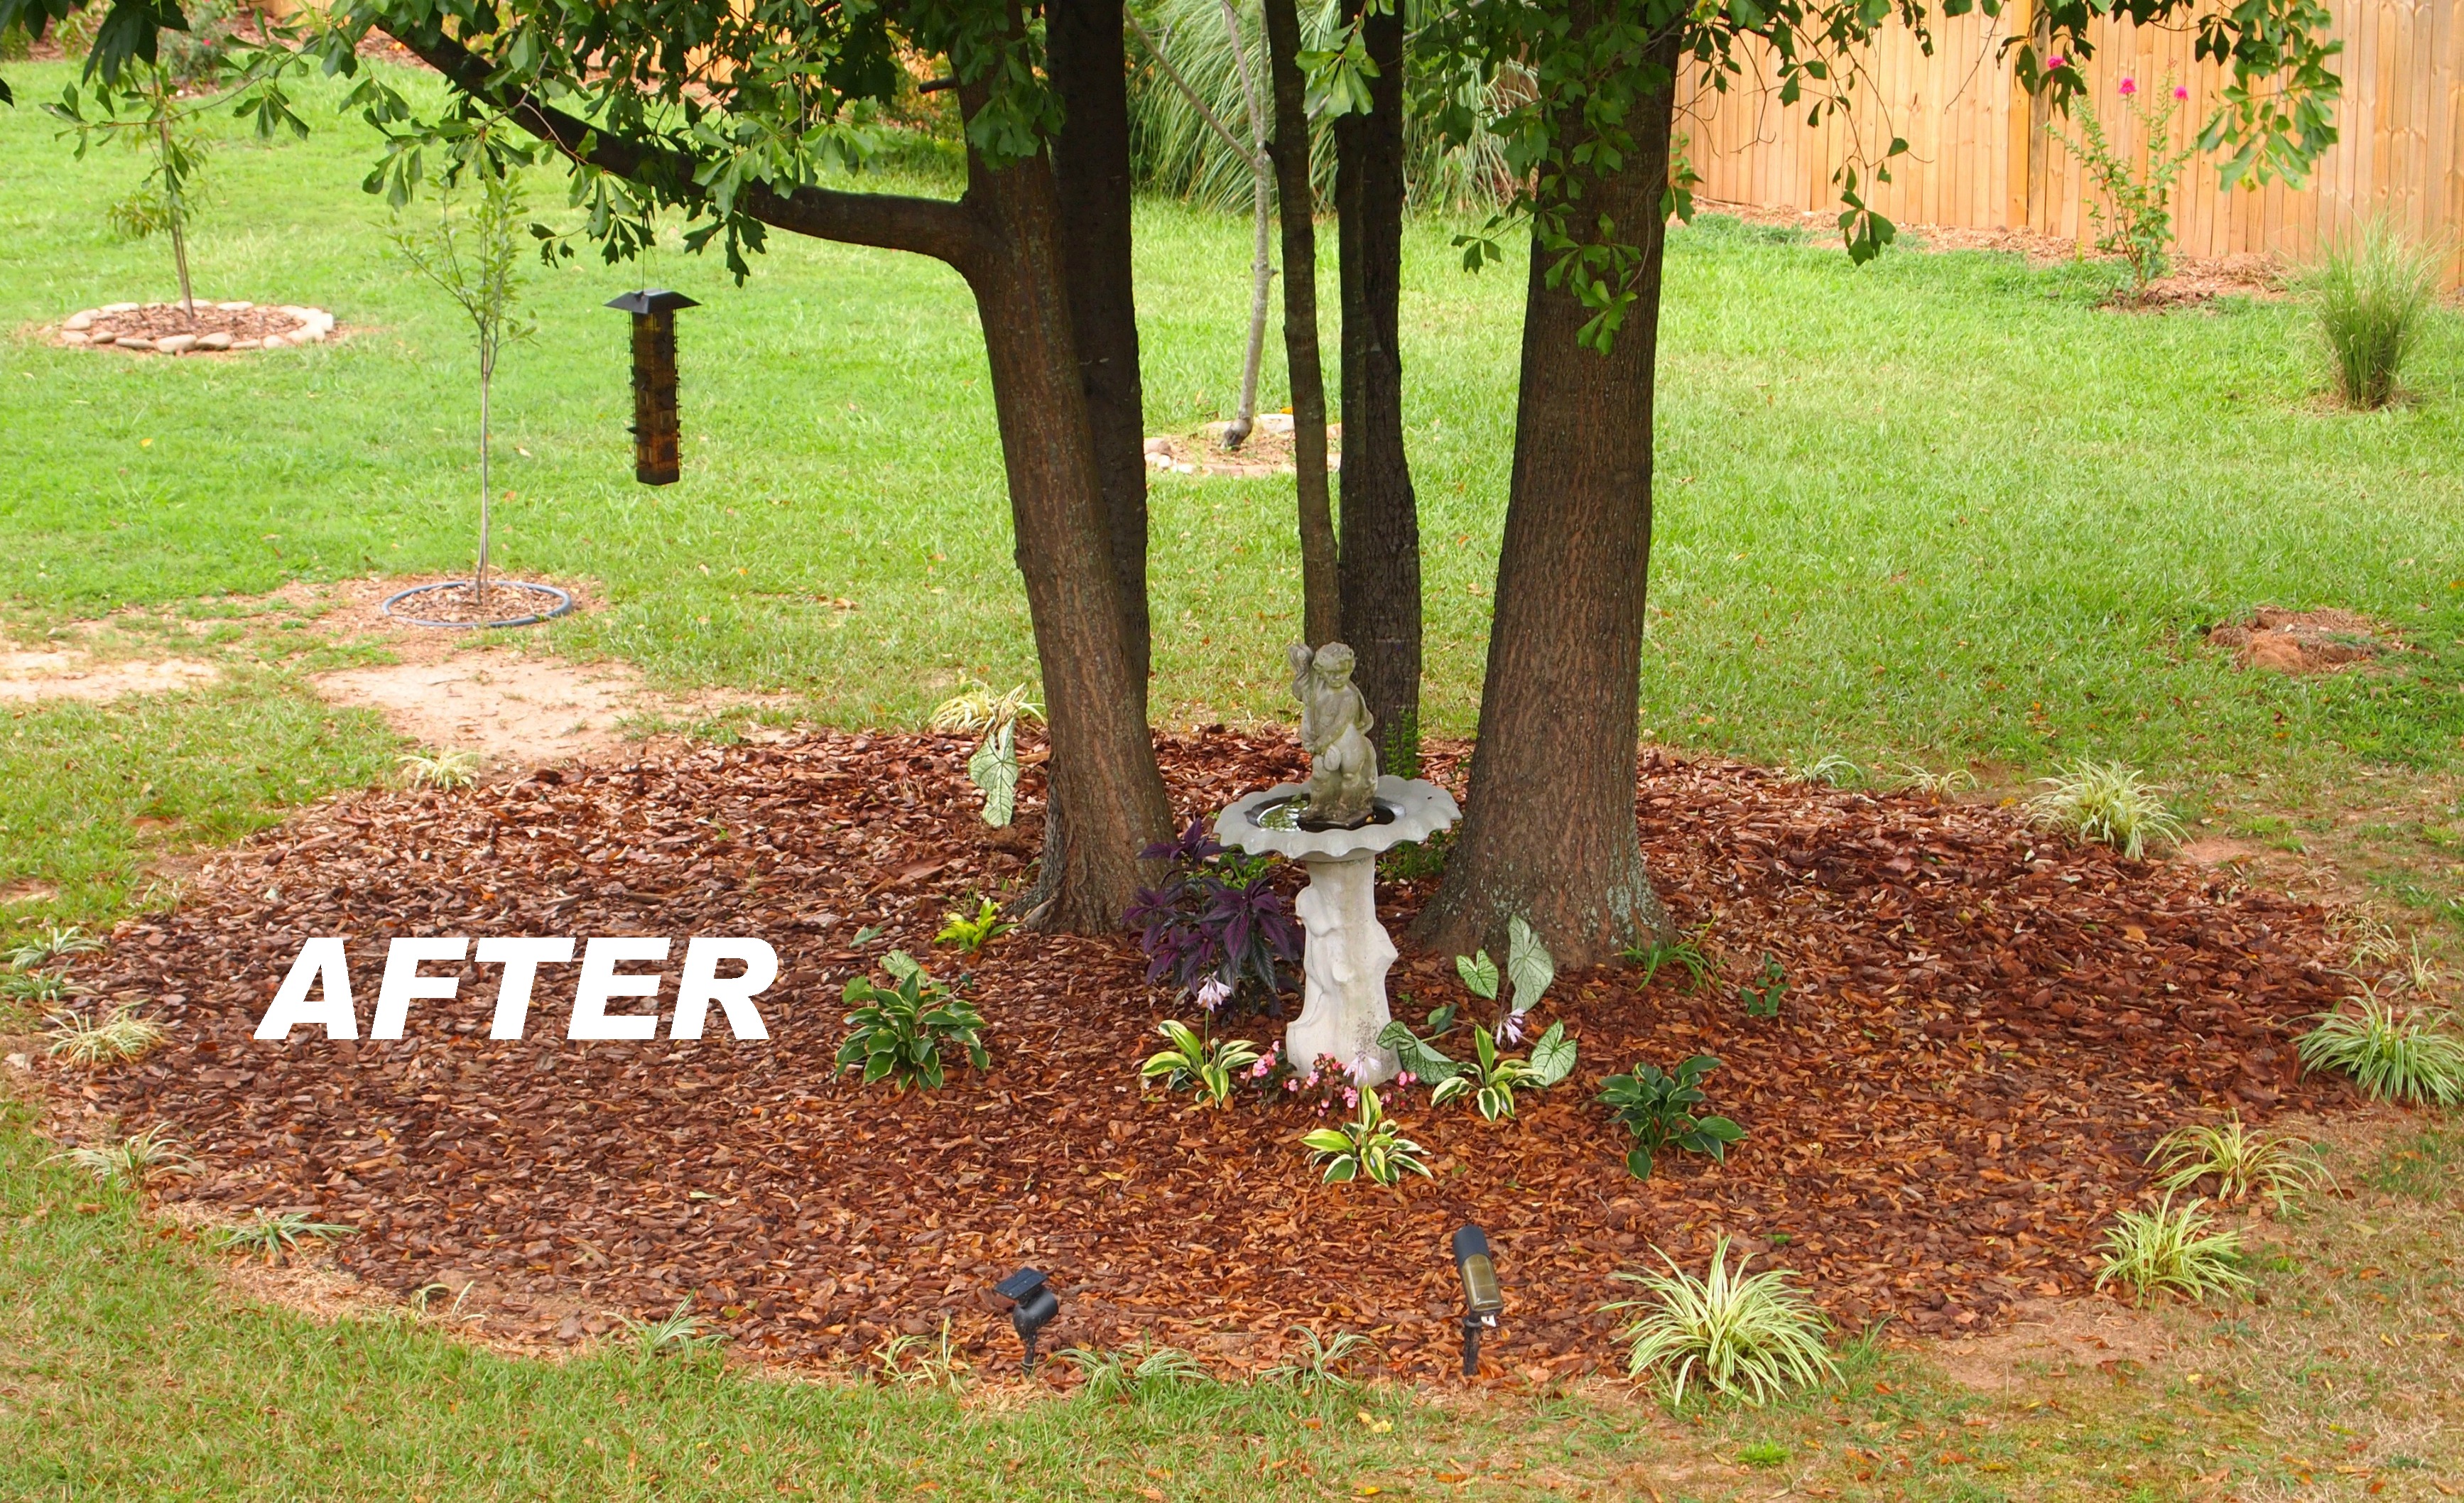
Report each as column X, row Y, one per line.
column 2171, row 1248
column 1492, row 1079
column 444, row 770
column 2242, row 1162
column 1751, row 1337
column 1137, row 1372
column 1764, row 1455
column 917, row 1362
column 2107, row 802
column 2375, row 291
column 897, row 1032
column 971, row 934
column 1763, row 1001
column 2137, row 210
column 1926, row 783
column 1317, row 1363
column 1417, row 859
column 1368, row 1146
column 993, row 767
column 1688, row 953
column 275, row 1237
column 2393, row 1053
column 44, row 986
column 1530, row 969
column 1658, row 1108
column 52, row 946
column 120, row 1034
column 128, row 1164
column 1831, row 772
column 679, row 1332
column 1210, row 1065
column 2422, row 1165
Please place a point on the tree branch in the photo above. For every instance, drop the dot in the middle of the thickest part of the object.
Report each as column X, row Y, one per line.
column 935, row 227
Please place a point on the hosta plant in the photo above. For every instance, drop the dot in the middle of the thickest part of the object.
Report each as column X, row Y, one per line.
column 1367, row 1147
column 1658, row 1108
column 1212, row 1066
column 2171, row 1249
column 1492, row 1079
column 2242, row 1162
column 2393, row 1053
column 1750, row 1337
column 897, row 1032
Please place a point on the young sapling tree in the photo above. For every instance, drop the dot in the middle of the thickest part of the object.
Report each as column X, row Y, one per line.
column 473, row 250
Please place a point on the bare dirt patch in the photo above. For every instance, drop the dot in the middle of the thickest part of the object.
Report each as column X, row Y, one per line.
column 2305, row 641
column 27, row 676
column 512, row 708
column 1266, row 451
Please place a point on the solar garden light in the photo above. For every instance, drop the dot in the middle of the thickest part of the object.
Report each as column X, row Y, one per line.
column 1483, row 1299
column 1032, row 1306
column 655, row 460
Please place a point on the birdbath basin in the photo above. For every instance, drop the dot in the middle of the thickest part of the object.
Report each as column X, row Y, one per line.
column 1345, row 952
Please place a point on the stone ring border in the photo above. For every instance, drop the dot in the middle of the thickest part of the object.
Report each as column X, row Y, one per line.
column 564, row 605
column 1422, row 809
column 315, row 326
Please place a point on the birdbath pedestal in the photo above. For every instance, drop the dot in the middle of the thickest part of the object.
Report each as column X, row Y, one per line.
column 1345, row 952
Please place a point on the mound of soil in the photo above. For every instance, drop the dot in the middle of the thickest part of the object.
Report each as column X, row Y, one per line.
column 1984, row 1032
column 170, row 328
column 2304, row 641
column 1266, row 451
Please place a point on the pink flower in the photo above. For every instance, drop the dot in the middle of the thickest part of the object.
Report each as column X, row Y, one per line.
column 1403, row 1078
column 1212, row 991
column 1291, row 1085
column 2181, row 90
column 2129, row 86
column 2058, row 62
column 1261, row 1070
column 1352, row 1098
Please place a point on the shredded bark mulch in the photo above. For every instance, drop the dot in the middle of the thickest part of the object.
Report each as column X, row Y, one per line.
column 1984, row 1030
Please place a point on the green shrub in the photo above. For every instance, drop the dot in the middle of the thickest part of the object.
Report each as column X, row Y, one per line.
column 2374, row 289
column 1658, row 1108
column 896, row 1033
column 2393, row 1053
column 1750, row 1338
column 2171, row 1248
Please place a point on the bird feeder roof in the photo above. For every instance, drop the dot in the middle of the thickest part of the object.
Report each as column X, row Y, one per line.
column 651, row 300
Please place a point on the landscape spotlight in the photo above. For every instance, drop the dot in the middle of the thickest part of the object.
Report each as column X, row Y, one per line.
column 1483, row 1299
column 1032, row 1306
column 655, row 460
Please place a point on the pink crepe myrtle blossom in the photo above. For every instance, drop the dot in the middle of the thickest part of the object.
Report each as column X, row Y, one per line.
column 2181, row 90
column 2129, row 86
column 2058, row 62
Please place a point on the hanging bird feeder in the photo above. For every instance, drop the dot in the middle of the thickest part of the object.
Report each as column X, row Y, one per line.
column 655, row 460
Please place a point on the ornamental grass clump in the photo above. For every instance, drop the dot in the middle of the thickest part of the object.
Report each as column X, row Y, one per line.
column 2375, row 291
column 274, row 1236
column 1749, row 1337
column 107, row 1038
column 2171, row 1249
column 2242, row 1162
column 2107, row 802
column 2393, row 1053
column 128, row 1164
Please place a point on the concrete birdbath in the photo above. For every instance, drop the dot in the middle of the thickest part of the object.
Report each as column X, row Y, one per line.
column 1335, row 825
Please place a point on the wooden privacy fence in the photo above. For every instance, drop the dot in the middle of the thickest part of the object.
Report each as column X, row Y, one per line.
column 1979, row 156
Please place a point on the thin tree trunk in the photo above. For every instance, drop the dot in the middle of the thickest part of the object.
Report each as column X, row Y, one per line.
column 177, row 206
column 1260, row 270
column 1380, row 544
column 1105, row 798
column 479, row 577
column 1321, row 591
column 1550, row 832
column 1091, row 166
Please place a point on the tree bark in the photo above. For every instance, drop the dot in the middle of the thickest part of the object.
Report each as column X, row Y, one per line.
column 1380, row 543
column 1090, row 164
column 1551, row 831
column 1321, row 587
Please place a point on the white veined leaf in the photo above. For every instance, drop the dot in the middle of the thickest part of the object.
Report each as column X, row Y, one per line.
column 994, row 768
column 1553, row 1057
column 1480, row 974
column 1528, row 965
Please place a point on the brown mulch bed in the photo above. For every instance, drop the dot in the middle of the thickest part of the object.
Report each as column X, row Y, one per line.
column 1986, row 1031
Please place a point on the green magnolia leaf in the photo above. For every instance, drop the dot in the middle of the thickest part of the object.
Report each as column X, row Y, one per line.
column 994, row 769
column 1478, row 975
column 1552, row 1056
column 1528, row 965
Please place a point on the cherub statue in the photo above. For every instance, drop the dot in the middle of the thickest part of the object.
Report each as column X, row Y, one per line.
column 1335, row 731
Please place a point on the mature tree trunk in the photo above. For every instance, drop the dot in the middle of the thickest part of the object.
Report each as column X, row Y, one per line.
column 1090, row 164
column 1380, row 543
column 1550, row 832
column 1106, row 795
column 1321, row 589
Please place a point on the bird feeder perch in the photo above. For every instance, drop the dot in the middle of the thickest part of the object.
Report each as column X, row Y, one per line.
column 655, row 459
